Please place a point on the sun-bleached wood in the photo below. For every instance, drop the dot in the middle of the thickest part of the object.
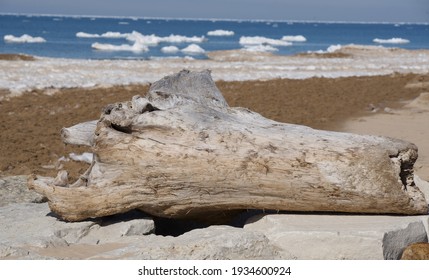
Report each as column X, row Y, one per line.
column 181, row 151
column 80, row 134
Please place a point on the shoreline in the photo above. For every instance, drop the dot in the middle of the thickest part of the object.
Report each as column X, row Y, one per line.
column 18, row 76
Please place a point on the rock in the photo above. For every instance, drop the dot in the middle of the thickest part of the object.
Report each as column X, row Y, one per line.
column 340, row 236
column 14, row 189
column 129, row 224
column 28, row 227
column 214, row 242
column 416, row 251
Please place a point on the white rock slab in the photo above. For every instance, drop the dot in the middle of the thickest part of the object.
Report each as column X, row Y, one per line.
column 214, row 242
column 26, row 228
column 332, row 237
column 14, row 189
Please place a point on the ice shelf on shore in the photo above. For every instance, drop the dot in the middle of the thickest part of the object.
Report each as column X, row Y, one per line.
column 19, row 76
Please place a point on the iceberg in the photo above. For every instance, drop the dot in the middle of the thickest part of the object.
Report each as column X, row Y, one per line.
column 220, row 32
column 391, row 41
column 23, row 39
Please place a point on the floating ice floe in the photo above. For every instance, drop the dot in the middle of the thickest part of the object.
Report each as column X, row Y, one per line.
column 170, row 49
column 391, row 41
column 220, row 32
column 87, row 35
column 136, row 47
column 193, row 49
column 260, row 48
column 144, row 39
column 23, row 39
column 140, row 42
column 259, row 40
column 333, row 48
column 296, row 38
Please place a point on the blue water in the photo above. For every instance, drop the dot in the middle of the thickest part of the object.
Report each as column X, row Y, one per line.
column 61, row 41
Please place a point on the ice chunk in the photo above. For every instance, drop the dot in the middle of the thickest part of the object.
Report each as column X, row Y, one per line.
column 259, row 40
column 136, row 47
column 220, row 32
column 391, row 41
column 170, row 49
column 297, row 38
column 87, row 35
column 260, row 48
column 193, row 49
column 23, row 39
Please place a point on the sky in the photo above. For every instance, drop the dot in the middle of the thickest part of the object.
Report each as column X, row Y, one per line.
column 317, row 10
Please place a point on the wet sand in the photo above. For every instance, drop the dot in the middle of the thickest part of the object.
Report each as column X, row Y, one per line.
column 30, row 139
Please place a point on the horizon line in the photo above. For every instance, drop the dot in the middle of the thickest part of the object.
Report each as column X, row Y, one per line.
column 215, row 19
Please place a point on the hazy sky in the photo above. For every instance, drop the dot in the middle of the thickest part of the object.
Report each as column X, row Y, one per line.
column 326, row 10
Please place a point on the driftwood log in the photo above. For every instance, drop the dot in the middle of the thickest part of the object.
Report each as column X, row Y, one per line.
column 181, row 151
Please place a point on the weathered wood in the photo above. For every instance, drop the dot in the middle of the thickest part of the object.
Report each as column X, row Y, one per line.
column 180, row 151
column 80, row 134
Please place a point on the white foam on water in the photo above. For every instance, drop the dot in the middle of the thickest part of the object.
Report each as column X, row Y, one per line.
column 391, row 41
column 23, row 39
column 220, row 32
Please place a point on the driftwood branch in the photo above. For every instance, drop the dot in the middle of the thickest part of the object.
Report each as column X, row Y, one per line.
column 80, row 134
column 180, row 151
